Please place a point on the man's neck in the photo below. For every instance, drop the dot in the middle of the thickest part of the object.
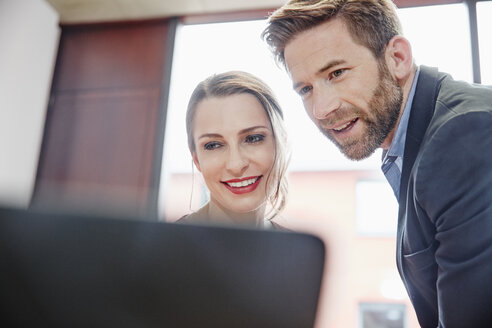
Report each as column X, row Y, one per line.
column 405, row 85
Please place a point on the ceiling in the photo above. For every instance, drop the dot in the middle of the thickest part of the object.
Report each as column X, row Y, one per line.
column 85, row 11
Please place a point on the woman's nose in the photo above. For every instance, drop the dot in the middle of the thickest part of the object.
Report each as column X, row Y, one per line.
column 237, row 161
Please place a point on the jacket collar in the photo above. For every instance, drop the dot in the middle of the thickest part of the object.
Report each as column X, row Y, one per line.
column 428, row 85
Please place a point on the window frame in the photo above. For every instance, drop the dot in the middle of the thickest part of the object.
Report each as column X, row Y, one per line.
column 264, row 13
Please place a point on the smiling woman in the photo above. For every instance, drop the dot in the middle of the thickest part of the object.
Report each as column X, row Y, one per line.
column 237, row 139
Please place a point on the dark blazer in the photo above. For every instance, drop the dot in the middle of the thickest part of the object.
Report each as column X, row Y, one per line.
column 444, row 240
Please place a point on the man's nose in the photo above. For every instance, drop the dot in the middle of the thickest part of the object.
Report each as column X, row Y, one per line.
column 237, row 161
column 324, row 102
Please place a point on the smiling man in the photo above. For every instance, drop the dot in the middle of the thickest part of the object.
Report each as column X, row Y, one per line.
column 351, row 97
column 359, row 84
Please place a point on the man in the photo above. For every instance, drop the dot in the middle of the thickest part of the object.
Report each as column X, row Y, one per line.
column 355, row 73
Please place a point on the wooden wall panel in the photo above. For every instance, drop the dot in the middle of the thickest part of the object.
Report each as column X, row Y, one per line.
column 111, row 56
column 105, row 119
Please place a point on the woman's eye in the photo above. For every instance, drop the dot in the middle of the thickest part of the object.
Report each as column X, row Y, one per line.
column 211, row 145
column 255, row 138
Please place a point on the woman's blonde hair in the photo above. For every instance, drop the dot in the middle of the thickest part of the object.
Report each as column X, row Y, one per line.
column 238, row 82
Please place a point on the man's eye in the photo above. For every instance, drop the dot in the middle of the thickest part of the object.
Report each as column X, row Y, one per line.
column 304, row 90
column 211, row 145
column 338, row 72
column 254, row 138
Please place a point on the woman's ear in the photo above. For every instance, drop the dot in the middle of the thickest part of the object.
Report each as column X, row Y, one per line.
column 398, row 56
column 195, row 160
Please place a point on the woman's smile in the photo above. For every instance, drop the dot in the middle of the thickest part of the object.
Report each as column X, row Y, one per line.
column 242, row 186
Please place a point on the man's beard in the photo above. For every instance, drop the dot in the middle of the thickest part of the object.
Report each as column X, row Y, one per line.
column 384, row 106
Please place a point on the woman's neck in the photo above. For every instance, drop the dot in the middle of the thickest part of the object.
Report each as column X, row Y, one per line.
column 216, row 213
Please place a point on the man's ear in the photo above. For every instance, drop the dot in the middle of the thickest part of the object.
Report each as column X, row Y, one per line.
column 398, row 56
column 195, row 160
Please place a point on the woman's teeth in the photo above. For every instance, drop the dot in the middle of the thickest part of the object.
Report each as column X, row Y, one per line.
column 243, row 183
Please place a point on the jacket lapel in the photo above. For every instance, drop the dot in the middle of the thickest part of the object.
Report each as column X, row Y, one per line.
column 423, row 105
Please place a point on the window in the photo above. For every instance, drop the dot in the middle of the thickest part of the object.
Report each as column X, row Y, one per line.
column 376, row 209
column 440, row 37
column 484, row 13
column 380, row 315
column 238, row 46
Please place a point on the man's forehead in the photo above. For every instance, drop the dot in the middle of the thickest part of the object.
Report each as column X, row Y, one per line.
column 308, row 48
column 295, row 62
column 314, row 48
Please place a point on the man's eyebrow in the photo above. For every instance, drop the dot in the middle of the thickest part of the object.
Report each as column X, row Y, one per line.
column 323, row 69
column 330, row 65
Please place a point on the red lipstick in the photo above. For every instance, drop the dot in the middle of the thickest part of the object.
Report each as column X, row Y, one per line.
column 245, row 189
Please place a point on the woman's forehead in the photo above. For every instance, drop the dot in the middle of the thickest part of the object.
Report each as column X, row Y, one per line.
column 233, row 112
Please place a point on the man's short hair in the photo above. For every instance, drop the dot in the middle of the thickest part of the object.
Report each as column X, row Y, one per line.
column 372, row 23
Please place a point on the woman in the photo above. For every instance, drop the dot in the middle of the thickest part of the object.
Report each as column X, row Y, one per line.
column 237, row 139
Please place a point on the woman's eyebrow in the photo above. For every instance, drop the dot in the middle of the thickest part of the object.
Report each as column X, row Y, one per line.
column 253, row 128
column 210, row 135
column 216, row 135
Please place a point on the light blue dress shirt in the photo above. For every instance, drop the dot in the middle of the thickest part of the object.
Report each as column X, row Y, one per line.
column 393, row 157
